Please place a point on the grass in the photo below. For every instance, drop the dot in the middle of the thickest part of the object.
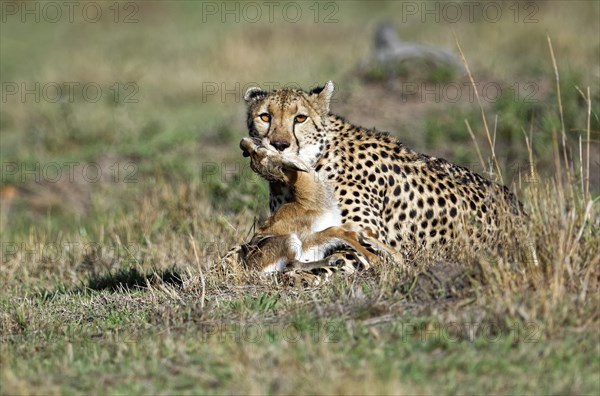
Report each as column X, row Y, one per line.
column 114, row 286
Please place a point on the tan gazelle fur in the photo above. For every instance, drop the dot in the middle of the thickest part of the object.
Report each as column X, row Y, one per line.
column 303, row 231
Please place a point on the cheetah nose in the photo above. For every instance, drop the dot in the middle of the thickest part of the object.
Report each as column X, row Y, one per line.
column 280, row 145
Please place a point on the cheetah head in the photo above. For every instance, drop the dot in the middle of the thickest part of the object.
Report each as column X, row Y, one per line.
column 290, row 120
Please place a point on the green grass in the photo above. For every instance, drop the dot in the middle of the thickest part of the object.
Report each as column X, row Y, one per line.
column 125, row 305
column 132, row 342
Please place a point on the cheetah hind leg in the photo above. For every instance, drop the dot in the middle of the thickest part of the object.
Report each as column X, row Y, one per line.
column 344, row 261
column 368, row 237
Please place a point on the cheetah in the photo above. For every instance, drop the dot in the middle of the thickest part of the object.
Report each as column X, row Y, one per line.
column 301, row 233
column 412, row 202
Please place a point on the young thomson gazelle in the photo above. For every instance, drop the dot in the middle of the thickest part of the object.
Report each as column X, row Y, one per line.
column 303, row 233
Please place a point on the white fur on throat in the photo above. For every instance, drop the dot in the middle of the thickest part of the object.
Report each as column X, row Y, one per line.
column 309, row 154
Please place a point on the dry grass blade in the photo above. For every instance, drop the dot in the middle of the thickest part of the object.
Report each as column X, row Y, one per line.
column 588, row 210
column 532, row 169
column 481, row 161
column 199, row 266
column 485, row 124
column 557, row 167
column 588, row 101
column 560, row 110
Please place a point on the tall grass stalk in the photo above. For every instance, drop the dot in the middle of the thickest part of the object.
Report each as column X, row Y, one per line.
column 485, row 124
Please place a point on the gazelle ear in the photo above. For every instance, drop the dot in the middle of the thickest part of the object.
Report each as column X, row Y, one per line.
column 254, row 93
column 295, row 164
column 323, row 95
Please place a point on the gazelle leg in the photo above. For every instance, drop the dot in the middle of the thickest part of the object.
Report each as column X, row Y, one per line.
column 354, row 240
column 315, row 245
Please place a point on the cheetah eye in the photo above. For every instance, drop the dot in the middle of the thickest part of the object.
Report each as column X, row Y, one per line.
column 266, row 117
column 299, row 119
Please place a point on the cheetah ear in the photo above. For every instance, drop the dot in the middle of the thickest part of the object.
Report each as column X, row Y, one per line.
column 323, row 95
column 254, row 93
